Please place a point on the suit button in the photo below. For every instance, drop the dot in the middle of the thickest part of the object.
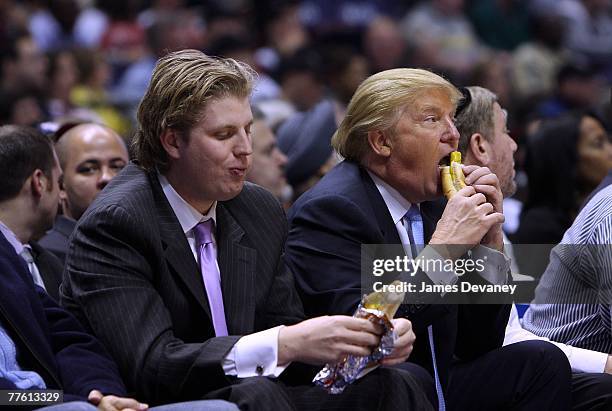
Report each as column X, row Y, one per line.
column 259, row 370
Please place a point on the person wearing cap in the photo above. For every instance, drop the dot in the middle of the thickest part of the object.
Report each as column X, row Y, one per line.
column 305, row 139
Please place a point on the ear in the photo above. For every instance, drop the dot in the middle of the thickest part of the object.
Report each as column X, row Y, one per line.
column 38, row 183
column 62, row 194
column 479, row 150
column 379, row 143
column 171, row 142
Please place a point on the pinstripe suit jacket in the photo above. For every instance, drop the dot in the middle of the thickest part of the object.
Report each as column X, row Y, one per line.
column 132, row 279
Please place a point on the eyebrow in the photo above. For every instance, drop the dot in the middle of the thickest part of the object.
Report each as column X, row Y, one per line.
column 96, row 160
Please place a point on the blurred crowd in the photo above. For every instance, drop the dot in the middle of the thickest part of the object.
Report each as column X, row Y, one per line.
column 91, row 60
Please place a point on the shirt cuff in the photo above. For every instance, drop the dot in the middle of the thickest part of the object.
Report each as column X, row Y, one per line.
column 255, row 355
column 438, row 277
column 497, row 264
column 582, row 360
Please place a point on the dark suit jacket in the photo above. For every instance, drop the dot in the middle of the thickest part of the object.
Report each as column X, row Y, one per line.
column 57, row 239
column 328, row 225
column 48, row 339
column 49, row 267
column 132, row 278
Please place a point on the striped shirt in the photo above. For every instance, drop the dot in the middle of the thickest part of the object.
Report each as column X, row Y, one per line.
column 580, row 271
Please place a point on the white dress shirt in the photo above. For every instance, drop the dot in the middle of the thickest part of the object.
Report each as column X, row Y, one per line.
column 254, row 354
column 580, row 359
column 496, row 269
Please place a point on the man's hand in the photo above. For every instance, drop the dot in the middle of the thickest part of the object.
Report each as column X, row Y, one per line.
column 403, row 344
column 113, row 403
column 487, row 183
column 327, row 339
column 467, row 218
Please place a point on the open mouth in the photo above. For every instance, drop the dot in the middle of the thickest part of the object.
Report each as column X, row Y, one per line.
column 444, row 161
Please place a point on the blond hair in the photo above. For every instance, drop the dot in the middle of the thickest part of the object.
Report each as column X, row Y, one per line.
column 378, row 103
column 182, row 84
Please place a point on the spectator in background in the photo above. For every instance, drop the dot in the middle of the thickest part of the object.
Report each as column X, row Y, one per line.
column 305, row 138
column 157, row 9
column 268, row 163
column 501, row 24
column 384, row 45
column 441, row 37
column 63, row 75
column 485, row 141
column 43, row 346
column 589, row 36
column 29, row 198
column 62, row 24
column 343, row 71
column 23, row 64
column 90, row 155
column 577, row 88
column 240, row 48
column 572, row 304
column 536, row 62
column 21, row 106
column 284, row 31
column 165, row 35
column 124, row 40
column 300, row 78
column 91, row 93
column 566, row 159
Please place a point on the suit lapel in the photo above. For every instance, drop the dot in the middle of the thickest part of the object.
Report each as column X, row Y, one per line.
column 381, row 212
column 176, row 248
column 50, row 269
column 237, row 267
column 431, row 211
column 17, row 288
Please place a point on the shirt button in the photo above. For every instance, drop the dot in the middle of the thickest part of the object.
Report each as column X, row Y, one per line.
column 259, row 370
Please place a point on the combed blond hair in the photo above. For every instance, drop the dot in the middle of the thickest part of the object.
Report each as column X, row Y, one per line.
column 477, row 117
column 378, row 103
column 182, row 84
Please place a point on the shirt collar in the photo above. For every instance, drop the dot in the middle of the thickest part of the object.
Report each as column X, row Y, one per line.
column 398, row 206
column 188, row 216
column 11, row 237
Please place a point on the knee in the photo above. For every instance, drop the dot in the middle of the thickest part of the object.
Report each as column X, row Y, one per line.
column 545, row 356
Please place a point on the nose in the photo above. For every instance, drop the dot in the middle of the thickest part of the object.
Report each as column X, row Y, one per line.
column 243, row 145
column 281, row 158
column 513, row 145
column 106, row 176
column 451, row 136
column 608, row 148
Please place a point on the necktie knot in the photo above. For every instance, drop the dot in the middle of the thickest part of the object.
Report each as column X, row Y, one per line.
column 203, row 232
column 413, row 213
column 27, row 255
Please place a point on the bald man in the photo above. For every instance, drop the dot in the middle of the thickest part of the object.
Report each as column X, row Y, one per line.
column 90, row 156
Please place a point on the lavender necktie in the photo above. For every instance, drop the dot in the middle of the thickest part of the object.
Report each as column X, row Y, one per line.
column 210, row 274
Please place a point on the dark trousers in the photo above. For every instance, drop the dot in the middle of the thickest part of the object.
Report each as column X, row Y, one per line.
column 591, row 392
column 383, row 389
column 530, row 375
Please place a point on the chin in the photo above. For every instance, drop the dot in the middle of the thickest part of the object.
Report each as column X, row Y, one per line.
column 231, row 193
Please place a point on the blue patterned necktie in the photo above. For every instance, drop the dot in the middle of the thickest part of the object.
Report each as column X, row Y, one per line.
column 413, row 222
